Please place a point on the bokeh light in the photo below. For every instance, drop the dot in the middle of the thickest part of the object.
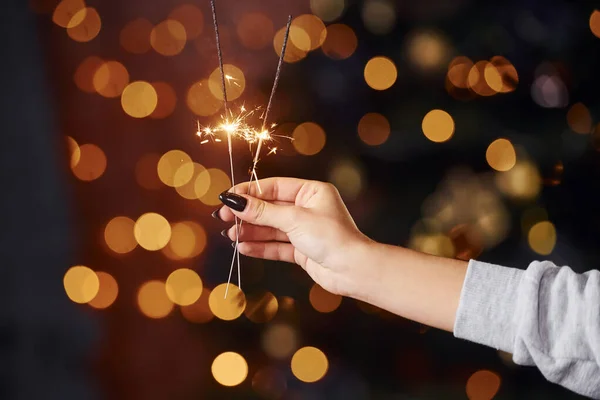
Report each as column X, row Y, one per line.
column 458, row 71
column 348, row 178
column 81, row 284
column 269, row 383
column 328, row 10
column 438, row 126
column 595, row 23
column 139, row 99
column 185, row 178
column 190, row 17
column 166, row 100
column 74, row 151
column 309, row 364
column 219, row 182
column 507, row 73
column 188, row 240
column 135, row 36
column 380, row 73
column 170, row 163
column 199, row 311
column 88, row 28
column 309, row 138
column 201, row 101
column 522, row 182
column 279, row 340
column 542, row 237
column 476, row 78
column 110, row 79
column 183, row 286
column 261, row 307
column 322, row 300
column 108, row 291
column 65, row 12
column 92, row 163
column 84, row 75
column 146, row 173
column 152, row 231
column 118, row 235
column 373, row 129
column 229, row 369
column 579, row 118
column 292, row 52
column 379, row 16
column 501, row 155
column 340, row 43
column 311, row 26
column 483, row 385
column 153, row 301
column 428, row 50
column 168, row 37
column 230, row 307
column 235, row 82
column 255, row 30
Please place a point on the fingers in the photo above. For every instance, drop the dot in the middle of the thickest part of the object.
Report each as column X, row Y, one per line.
column 268, row 250
column 282, row 189
column 253, row 233
column 226, row 215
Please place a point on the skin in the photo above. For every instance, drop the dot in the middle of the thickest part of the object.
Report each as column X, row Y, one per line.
column 306, row 223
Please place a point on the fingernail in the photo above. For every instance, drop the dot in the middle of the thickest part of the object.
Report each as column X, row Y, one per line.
column 233, row 244
column 224, row 233
column 233, row 201
column 215, row 214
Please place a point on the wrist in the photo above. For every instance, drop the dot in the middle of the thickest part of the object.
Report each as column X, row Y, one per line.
column 365, row 269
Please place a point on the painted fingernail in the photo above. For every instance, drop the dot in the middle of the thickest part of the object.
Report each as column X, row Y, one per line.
column 224, row 233
column 233, row 244
column 215, row 214
column 233, row 201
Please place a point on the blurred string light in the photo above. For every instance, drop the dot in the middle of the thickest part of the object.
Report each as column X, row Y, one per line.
column 168, row 38
column 522, row 182
column 118, row 235
column 373, row 129
column 188, row 240
column 110, row 79
column 198, row 312
column 348, row 178
column 166, row 100
column 200, row 99
column 483, row 385
column 92, row 163
column 340, row 43
column 191, row 18
column 229, row 369
column 228, row 308
column 87, row 25
column 379, row 16
column 81, row 284
column 152, row 231
column 235, row 82
column 84, row 75
column 139, row 99
column 135, row 36
column 579, row 118
column 309, row 364
column 428, row 50
column 108, row 291
column 74, row 151
column 595, row 23
column 269, row 383
column 501, row 155
column 380, row 73
column 308, row 138
column 255, row 30
column 322, row 300
column 328, row 10
column 261, row 307
column 542, row 238
column 279, row 340
column 438, row 126
column 548, row 89
column 183, row 286
column 484, row 78
column 146, row 173
column 153, row 301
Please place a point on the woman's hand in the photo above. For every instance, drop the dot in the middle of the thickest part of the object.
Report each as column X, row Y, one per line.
column 302, row 222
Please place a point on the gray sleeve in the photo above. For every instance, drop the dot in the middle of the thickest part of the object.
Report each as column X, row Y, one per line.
column 545, row 316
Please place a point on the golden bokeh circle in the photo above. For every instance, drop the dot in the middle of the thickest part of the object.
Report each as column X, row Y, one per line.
column 118, row 235
column 229, row 369
column 153, row 301
column 74, row 151
column 292, row 52
column 508, row 73
column 311, row 27
column 380, row 73
column 171, row 162
column 322, row 300
column 183, row 286
column 542, row 238
column 92, row 163
column 476, row 79
column 579, row 119
column 235, row 82
column 522, row 182
column 186, row 187
column 309, row 138
column 81, row 284
column 261, row 307
column 67, row 15
column 139, row 99
column 373, row 129
column 191, row 18
column 328, row 10
column 595, row 23
column 219, row 182
column 230, row 307
column 279, row 340
column 188, row 240
column 501, row 155
column 428, row 50
column 152, row 231
column 340, row 43
column 168, row 38
column 166, row 100
column 108, row 291
column 201, row 101
column 458, row 72
column 84, row 75
column 110, row 79
column 309, row 364
column 438, row 126
column 88, row 27
column 483, row 385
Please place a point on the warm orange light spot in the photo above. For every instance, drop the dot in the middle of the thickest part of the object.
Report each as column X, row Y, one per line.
column 168, row 38
column 309, row 364
column 380, row 73
column 183, row 286
column 135, row 36
column 229, row 369
column 309, row 138
column 501, row 155
column 185, row 179
column 595, row 23
column 542, row 238
column 118, row 235
column 81, row 284
column 322, row 300
column 89, row 27
column 438, row 126
column 201, row 101
column 310, row 26
column 191, row 18
column 255, row 30
column 347, row 177
column 261, row 307
column 146, row 173
column 74, row 152
column 66, row 10
column 476, row 79
column 139, row 99
column 492, row 77
column 92, row 163
column 292, row 52
column 107, row 292
column 328, row 10
column 579, row 118
column 167, row 100
column 340, row 43
column 188, row 240
column 458, row 71
column 373, row 129
column 219, row 182
column 84, row 75
column 110, row 79
column 428, row 50
column 521, row 182
column 508, row 74
column 153, row 301
column 198, row 312
column 228, row 308
column 279, row 340
column 483, row 385
column 175, row 162
column 152, row 231
column 235, row 82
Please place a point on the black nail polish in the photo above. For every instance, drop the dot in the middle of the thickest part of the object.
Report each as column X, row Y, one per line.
column 224, row 233
column 233, row 244
column 215, row 214
column 233, row 201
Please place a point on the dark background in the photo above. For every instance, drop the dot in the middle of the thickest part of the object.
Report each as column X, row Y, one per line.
column 52, row 348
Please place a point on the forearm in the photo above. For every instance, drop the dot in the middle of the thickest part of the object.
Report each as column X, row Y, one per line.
column 414, row 285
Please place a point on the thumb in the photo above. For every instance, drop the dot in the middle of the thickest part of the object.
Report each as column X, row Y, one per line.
column 260, row 212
